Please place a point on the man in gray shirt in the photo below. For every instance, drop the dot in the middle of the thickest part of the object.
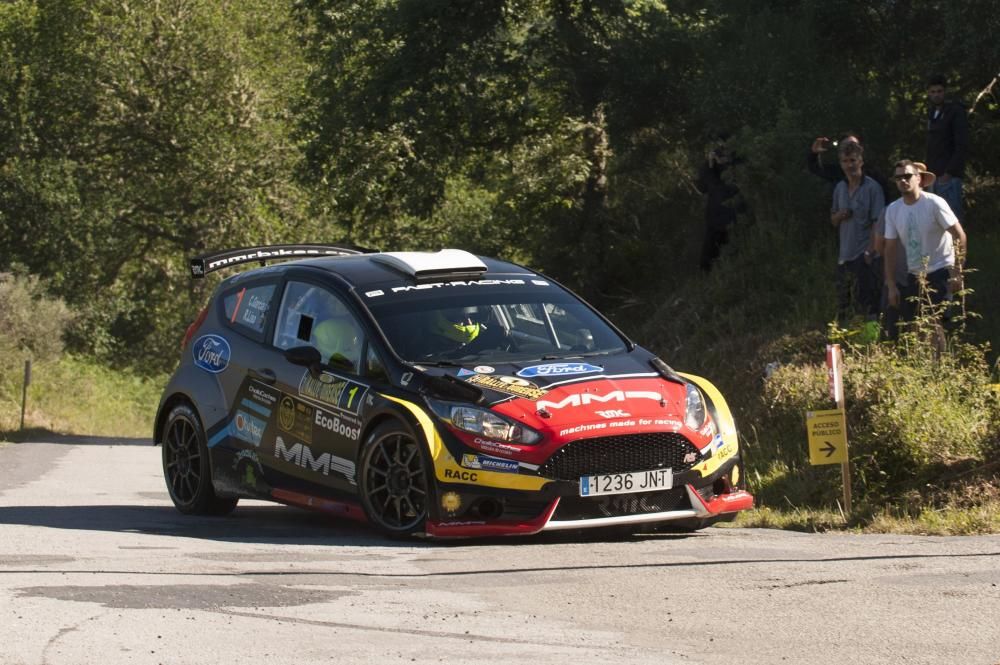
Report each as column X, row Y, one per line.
column 857, row 204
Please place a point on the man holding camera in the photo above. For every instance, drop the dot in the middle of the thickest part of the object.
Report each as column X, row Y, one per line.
column 857, row 204
column 723, row 201
column 831, row 171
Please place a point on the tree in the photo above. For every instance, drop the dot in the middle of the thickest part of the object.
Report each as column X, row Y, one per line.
column 152, row 132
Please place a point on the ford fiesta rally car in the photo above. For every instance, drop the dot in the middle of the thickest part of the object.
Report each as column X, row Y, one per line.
column 437, row 393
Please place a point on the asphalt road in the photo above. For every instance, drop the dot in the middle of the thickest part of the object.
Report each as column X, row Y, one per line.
column 97, row 567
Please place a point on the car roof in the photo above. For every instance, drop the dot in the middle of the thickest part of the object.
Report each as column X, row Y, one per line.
column 366, row 268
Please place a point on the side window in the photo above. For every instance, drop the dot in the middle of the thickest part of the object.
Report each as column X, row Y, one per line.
column 374, row 367
column 248, row 308
column 312, row 316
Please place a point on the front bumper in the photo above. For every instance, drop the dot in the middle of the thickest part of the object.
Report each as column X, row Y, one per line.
column 697, row 508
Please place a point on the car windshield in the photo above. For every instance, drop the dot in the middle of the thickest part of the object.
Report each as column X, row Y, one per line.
column 492, row 324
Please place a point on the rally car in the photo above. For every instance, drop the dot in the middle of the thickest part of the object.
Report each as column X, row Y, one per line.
column 442, row 394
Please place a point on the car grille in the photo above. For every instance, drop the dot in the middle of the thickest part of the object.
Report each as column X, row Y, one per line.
column 618, row 505
column 621, row 454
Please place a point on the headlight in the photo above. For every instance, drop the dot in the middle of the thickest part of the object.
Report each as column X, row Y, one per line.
column 695, row 410
column 484, row 422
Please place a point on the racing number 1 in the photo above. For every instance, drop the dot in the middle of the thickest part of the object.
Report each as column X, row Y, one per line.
column 352, row 392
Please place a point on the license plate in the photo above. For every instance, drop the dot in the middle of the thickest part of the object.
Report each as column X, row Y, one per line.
column 627, row 483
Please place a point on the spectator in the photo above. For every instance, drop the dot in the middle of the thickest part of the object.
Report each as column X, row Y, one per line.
column 857, row 205
column 723, row 202
column 932, row 236
column 947, row 143
column 831, row 171
column 890, row 313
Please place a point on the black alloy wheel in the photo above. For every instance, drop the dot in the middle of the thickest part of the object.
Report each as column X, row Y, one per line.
column 394, row 481
column 186, row 466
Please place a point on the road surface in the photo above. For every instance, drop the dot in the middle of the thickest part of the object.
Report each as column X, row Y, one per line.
column 97, row 567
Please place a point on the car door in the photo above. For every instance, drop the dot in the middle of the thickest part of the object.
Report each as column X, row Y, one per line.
column 245, row 314
column 319, row 410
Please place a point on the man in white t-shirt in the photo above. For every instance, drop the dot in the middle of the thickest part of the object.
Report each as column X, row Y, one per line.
column 930, row 233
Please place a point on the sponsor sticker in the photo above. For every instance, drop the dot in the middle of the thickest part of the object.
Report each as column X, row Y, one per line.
column 252, row 469
column 559, row 369
column 211, row 353
column 466, row 476
column 338, row 425
column 263, row 395
column 496, row 447
column 451, row 502
column 508, row 384
column 484, row 369
column 301, row 455
column 334, row 391
column 484, row 463
column 585, row 399
column 295, row 417
column 440, row 285
column 248, row 428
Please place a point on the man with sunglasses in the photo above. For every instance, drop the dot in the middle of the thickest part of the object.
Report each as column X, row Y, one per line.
column 924, row 224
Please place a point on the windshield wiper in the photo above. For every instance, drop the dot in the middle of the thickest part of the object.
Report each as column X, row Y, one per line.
column 437, row 363
column 596, row 353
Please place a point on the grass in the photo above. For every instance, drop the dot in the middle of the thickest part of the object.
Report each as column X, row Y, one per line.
column 948, row 521
column 77, row 396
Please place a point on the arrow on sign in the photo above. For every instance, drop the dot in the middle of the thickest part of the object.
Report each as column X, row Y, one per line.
column 829, row 449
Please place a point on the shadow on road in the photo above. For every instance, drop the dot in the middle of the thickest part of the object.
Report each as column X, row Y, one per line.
column 250, row 524
column 41, row 435
column 269, row 524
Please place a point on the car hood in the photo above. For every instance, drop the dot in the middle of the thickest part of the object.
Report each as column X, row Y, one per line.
column 566, row 400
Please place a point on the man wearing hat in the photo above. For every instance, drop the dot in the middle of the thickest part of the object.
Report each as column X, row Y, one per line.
column 925, row 226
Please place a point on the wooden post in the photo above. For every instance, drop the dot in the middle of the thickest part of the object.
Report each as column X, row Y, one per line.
column 834, row 361
column 24, row 390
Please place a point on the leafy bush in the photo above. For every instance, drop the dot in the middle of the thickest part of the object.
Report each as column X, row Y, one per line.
column 914, row 416
column 32, row 322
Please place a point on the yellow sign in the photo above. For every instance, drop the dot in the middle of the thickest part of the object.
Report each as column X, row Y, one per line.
column 827, row 436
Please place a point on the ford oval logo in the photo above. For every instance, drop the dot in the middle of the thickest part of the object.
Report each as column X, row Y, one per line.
column 559, row 369
column 211, row 353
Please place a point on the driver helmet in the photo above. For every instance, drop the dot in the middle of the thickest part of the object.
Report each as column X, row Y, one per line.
column 456, row 324
column 336, row 336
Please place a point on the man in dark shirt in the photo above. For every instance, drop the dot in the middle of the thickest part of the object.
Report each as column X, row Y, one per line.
column 723, row 202
column 947, row 143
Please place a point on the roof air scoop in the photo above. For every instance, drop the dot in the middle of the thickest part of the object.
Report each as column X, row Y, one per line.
column 444, row 264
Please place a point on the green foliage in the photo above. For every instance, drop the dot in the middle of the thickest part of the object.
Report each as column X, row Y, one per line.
column 74, row 395
column 33, row 323
column 146, row 134
column 912, row 413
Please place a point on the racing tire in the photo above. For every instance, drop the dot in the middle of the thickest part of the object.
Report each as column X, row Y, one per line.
column 187, row 468
column 394, row 482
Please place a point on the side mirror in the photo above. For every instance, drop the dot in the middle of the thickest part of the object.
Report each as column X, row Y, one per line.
column 306, row 356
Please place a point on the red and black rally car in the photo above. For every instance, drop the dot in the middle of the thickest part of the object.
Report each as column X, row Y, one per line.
column 437, row 393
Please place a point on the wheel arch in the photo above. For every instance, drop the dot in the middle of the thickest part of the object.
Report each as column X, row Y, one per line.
column 164, row 412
